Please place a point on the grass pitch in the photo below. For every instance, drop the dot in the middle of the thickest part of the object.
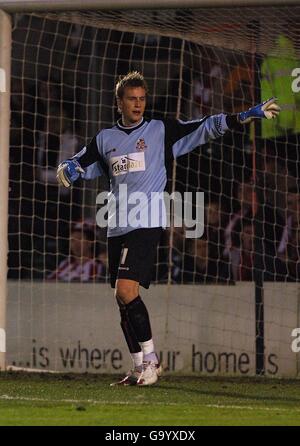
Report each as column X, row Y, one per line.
column 88, row 400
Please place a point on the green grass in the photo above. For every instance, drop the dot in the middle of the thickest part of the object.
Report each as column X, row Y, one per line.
column 88, row 400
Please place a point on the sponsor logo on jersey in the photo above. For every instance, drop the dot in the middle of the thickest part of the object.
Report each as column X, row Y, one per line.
column 141, row 145
column 132, row 162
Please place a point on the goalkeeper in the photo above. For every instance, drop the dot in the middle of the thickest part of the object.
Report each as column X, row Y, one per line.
column 138, row 152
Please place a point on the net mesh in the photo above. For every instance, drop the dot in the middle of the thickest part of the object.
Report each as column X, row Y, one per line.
column 64, row 69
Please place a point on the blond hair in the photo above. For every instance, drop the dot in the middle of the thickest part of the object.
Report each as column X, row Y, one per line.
column 131, row 79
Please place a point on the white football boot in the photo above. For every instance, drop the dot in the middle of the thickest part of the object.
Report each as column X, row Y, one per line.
column 130, row 379
column 151, row 372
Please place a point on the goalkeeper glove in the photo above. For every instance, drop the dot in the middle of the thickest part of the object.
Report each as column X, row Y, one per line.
column 268, row 109
column 68, row 171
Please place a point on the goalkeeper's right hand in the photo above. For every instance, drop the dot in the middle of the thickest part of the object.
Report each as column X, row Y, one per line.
column 68, row 171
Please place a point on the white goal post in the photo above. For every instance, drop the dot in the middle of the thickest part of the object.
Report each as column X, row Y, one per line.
column 5, row 51
column 44, row 5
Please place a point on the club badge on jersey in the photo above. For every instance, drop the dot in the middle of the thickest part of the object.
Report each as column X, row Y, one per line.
column 141, row 145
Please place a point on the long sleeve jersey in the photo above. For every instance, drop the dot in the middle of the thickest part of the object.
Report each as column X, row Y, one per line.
column 136, row 160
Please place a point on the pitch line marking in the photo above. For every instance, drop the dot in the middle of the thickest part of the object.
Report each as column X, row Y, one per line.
column 224, row 406
column 125, row 403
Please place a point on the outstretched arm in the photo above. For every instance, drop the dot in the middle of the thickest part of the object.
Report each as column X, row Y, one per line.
column 183, row 137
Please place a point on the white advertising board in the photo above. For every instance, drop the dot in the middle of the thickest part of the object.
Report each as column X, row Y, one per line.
column 198, row 329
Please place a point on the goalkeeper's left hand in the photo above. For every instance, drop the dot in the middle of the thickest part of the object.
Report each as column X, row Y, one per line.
column 268, row 109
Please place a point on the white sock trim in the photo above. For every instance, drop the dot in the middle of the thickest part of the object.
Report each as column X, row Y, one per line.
column 137, row 358
column 147, row 347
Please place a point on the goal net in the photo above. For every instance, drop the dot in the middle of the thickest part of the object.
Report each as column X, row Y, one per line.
column 237, row 284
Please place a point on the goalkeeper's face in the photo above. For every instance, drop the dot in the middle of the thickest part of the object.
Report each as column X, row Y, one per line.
column 132, row 105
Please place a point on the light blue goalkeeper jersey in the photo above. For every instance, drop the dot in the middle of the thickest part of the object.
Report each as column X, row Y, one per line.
column 136, row 160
